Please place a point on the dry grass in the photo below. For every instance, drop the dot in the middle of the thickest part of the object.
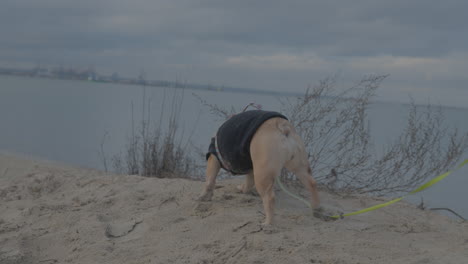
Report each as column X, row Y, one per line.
column 157, row 149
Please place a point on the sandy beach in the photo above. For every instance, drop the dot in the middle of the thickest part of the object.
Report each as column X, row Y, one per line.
column 54, row 213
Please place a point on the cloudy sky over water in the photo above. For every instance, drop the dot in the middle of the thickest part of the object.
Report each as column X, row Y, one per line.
column 264, row 44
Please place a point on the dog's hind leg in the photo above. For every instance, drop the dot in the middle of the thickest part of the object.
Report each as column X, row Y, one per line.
column 212, row 170
column 305, row 176
column 264, row 182
column 299, row 165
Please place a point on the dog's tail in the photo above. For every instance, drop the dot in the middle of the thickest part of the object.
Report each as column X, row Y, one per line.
column 284, row 127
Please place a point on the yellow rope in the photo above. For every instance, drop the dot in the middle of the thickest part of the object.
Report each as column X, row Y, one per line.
column 378, row 206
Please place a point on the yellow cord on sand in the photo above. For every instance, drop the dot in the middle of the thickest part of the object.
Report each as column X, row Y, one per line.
column 378, row 206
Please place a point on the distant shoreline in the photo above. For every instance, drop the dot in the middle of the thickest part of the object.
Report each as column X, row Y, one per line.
column 181, row 85
column 86, row 76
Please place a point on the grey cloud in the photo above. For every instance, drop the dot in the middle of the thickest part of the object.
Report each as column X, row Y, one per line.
column 335, row 27
column 202, row 39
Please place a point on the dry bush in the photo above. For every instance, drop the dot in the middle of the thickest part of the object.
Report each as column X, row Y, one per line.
column 336, row 133
column 154, row 151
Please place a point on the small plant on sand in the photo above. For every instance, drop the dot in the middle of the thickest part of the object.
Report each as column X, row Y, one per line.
column 156, row 150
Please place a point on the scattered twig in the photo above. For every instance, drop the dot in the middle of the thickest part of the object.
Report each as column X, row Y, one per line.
column 167, row 200
column 225, row 257
column 49, row 260
column 260, row 229
column 423, row 207
column 110, row 235
column 450, row 210
column 242, row 226
column 240, row 249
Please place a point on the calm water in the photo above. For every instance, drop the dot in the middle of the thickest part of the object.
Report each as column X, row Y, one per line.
column 67, row 120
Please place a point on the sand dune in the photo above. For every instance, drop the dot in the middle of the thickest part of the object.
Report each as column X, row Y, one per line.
column 51, row 213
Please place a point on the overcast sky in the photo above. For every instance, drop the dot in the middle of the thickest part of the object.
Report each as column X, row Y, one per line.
column 264, row 44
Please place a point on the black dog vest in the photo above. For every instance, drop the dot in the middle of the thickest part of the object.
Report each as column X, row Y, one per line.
column 231, row 146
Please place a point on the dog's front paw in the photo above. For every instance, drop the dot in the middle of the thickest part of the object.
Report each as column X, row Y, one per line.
column 269, row 228
column 206, row 196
